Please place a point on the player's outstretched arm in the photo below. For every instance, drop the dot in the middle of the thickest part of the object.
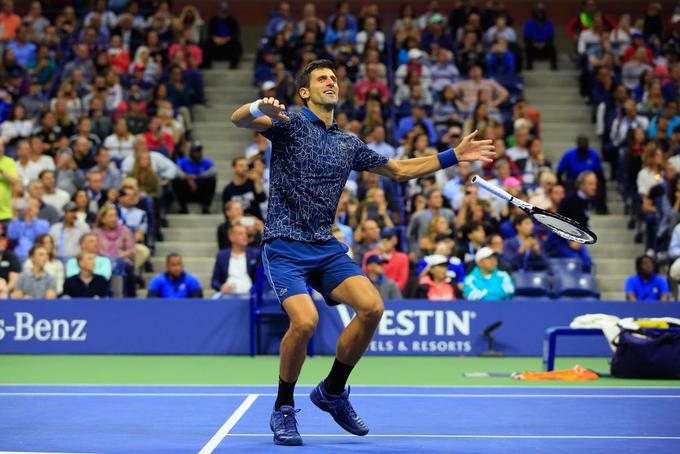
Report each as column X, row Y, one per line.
column 258, row 115
column 467, row 150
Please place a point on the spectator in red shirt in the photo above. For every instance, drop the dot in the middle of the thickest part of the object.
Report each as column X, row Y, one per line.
column 119, row 58
column 192, row 55
column 372, row 84
column 638, row 41
column 158, row 140
column 396, row 263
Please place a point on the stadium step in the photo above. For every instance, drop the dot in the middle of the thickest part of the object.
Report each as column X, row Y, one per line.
column 606, row 267
column 612, row 282
column 195, row 220
column 188, row 234
column 197, row 247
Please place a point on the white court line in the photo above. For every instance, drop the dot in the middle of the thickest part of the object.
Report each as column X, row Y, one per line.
column 299, row 385
column 36, row 452
column 555, row 437
column 228, row 425
column 418, row 395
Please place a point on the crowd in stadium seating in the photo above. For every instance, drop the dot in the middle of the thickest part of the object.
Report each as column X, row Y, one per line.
column 96, row 142
column 96, row 127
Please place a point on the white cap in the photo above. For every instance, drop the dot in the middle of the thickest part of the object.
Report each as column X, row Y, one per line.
column 675, row 19
column 414, row 54
column 268, row 85
column 484, row 253
column 436, row 259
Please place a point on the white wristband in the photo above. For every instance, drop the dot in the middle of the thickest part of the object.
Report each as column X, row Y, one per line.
column 255, row 109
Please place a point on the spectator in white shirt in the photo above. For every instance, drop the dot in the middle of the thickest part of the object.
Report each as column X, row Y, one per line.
column 235, row 267
column 444, row 71
column 625, row 121
column 379, row 145
column 500, row 30
column 632, row 70
column 164, row 167
column 53, row 195
column 121, row 143
column 17, row 126
column 370, row 31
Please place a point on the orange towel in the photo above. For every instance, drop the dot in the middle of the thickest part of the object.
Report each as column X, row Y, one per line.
column 577, row 373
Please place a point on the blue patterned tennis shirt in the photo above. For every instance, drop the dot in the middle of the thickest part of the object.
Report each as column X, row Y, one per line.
column 310, row 165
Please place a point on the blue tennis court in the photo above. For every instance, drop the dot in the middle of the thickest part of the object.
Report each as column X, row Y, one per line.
column 111, row 419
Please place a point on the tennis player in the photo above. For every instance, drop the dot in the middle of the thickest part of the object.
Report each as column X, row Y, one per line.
column 311, row 161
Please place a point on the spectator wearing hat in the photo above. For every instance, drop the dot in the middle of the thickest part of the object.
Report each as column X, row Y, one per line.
column 36, row 283
column 523, row 251
column 175, row 282
column 67, row 234
column 224, row 38
column 264, row 70
column 414, row 65
column 375, row 271
column 10, row 267
column 456, row 268
column 487, row 282
column 86, row 284
column 433, row 282
column 435, row 36
column 539, row 38
column 198, row 180
column 395, row 262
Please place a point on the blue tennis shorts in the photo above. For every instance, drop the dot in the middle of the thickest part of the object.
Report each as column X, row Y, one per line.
column 292, row 265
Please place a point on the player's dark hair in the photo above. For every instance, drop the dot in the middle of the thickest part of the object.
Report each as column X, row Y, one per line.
column 302, row 80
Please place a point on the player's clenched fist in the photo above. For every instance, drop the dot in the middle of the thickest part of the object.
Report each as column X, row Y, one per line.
column 270, row 107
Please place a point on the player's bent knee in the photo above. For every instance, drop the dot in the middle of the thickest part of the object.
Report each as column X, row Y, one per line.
column 372, row 312
column 304, row 327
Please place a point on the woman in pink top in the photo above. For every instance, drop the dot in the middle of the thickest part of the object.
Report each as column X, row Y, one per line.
column 114, row 240
column 433, row 283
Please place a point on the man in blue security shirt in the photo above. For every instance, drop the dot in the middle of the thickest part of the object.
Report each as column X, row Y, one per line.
column 198, row 180
column 646, row 285
column 174, row 283
column 310, row 164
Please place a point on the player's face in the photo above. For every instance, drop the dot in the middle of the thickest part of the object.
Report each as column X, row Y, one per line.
column 323, row 87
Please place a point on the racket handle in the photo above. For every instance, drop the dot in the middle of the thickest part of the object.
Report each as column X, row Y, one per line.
column 500, row 193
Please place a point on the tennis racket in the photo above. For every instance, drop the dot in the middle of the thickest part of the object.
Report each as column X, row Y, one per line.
column 560, row 225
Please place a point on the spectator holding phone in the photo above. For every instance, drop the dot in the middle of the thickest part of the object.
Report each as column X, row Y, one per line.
column 246, row 187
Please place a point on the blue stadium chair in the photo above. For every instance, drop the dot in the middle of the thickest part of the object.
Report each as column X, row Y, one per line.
column 560, row 265
column 575, row 285
column 265, row 308
column 531, row 284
